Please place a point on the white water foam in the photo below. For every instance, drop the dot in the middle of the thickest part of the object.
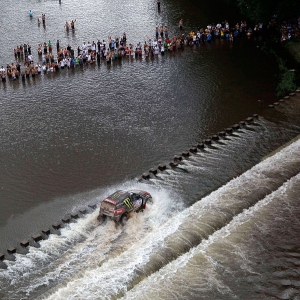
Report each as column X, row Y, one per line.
column 84, row 245
column 170, row 278
column 116, row 275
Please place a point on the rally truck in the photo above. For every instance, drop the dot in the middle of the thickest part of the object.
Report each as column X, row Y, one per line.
column 119, row 205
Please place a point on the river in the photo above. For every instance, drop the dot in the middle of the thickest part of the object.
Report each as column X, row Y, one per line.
column 223, row 224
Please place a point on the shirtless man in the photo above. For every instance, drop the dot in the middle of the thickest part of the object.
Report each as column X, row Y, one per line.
column 73, row 24
column 180, row 24
column 67, row 26
column 44, row 19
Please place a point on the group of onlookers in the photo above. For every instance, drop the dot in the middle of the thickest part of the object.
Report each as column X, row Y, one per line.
column 290, row 30
column 118, row 48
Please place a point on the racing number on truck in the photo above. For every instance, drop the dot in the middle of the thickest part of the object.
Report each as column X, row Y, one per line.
column 128, row 203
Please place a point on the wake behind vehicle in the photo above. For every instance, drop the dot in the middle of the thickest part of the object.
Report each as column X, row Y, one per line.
column 120, row 204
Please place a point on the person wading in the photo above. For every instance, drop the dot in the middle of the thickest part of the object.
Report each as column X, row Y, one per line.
column 180, row 24
column 73, row 24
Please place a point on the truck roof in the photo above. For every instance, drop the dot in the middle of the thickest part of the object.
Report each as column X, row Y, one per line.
column 117, row 196
column 120, row 195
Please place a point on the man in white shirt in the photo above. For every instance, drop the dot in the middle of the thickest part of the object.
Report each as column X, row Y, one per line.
column 89, row 47
column 84, row 46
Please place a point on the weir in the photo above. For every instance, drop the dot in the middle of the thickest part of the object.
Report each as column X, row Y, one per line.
column 44, row 233
column 167, row 230
column 239, row 250
column 178, row 162
column 189, row 229
column 68, row 139
column 209, row 141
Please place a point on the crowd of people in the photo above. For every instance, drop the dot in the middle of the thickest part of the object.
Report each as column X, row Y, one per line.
column 290, row 30
column 116, row 48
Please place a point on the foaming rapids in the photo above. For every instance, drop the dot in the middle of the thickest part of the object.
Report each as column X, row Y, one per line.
column 82, row 246
column 235, row 262
column 182, row 233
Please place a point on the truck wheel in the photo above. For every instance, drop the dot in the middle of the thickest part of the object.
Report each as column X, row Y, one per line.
column 100, row 219
column 123, row 220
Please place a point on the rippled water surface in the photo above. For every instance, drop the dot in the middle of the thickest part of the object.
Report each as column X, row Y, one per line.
column 80, row 129
column 69, row 139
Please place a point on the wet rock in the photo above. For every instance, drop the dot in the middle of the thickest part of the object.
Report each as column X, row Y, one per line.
column 46, row 231
column 37, row 237
column 24, row 243
column 153, row 171
column 11, row 250
column 56, row 226
column 162, row 167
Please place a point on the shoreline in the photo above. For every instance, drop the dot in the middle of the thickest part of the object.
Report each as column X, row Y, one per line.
column 293, row 47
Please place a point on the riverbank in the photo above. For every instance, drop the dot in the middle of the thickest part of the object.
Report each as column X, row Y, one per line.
column 283, row 53
column 293, row 47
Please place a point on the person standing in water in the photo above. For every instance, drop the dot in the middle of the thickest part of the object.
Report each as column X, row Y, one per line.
column 180, row 24
column 30, row 14
column 73, row 24
column 44, row 19
column 67, row 26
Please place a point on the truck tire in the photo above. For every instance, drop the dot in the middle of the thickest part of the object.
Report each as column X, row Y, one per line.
column 101, row 219
column 123, row 220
